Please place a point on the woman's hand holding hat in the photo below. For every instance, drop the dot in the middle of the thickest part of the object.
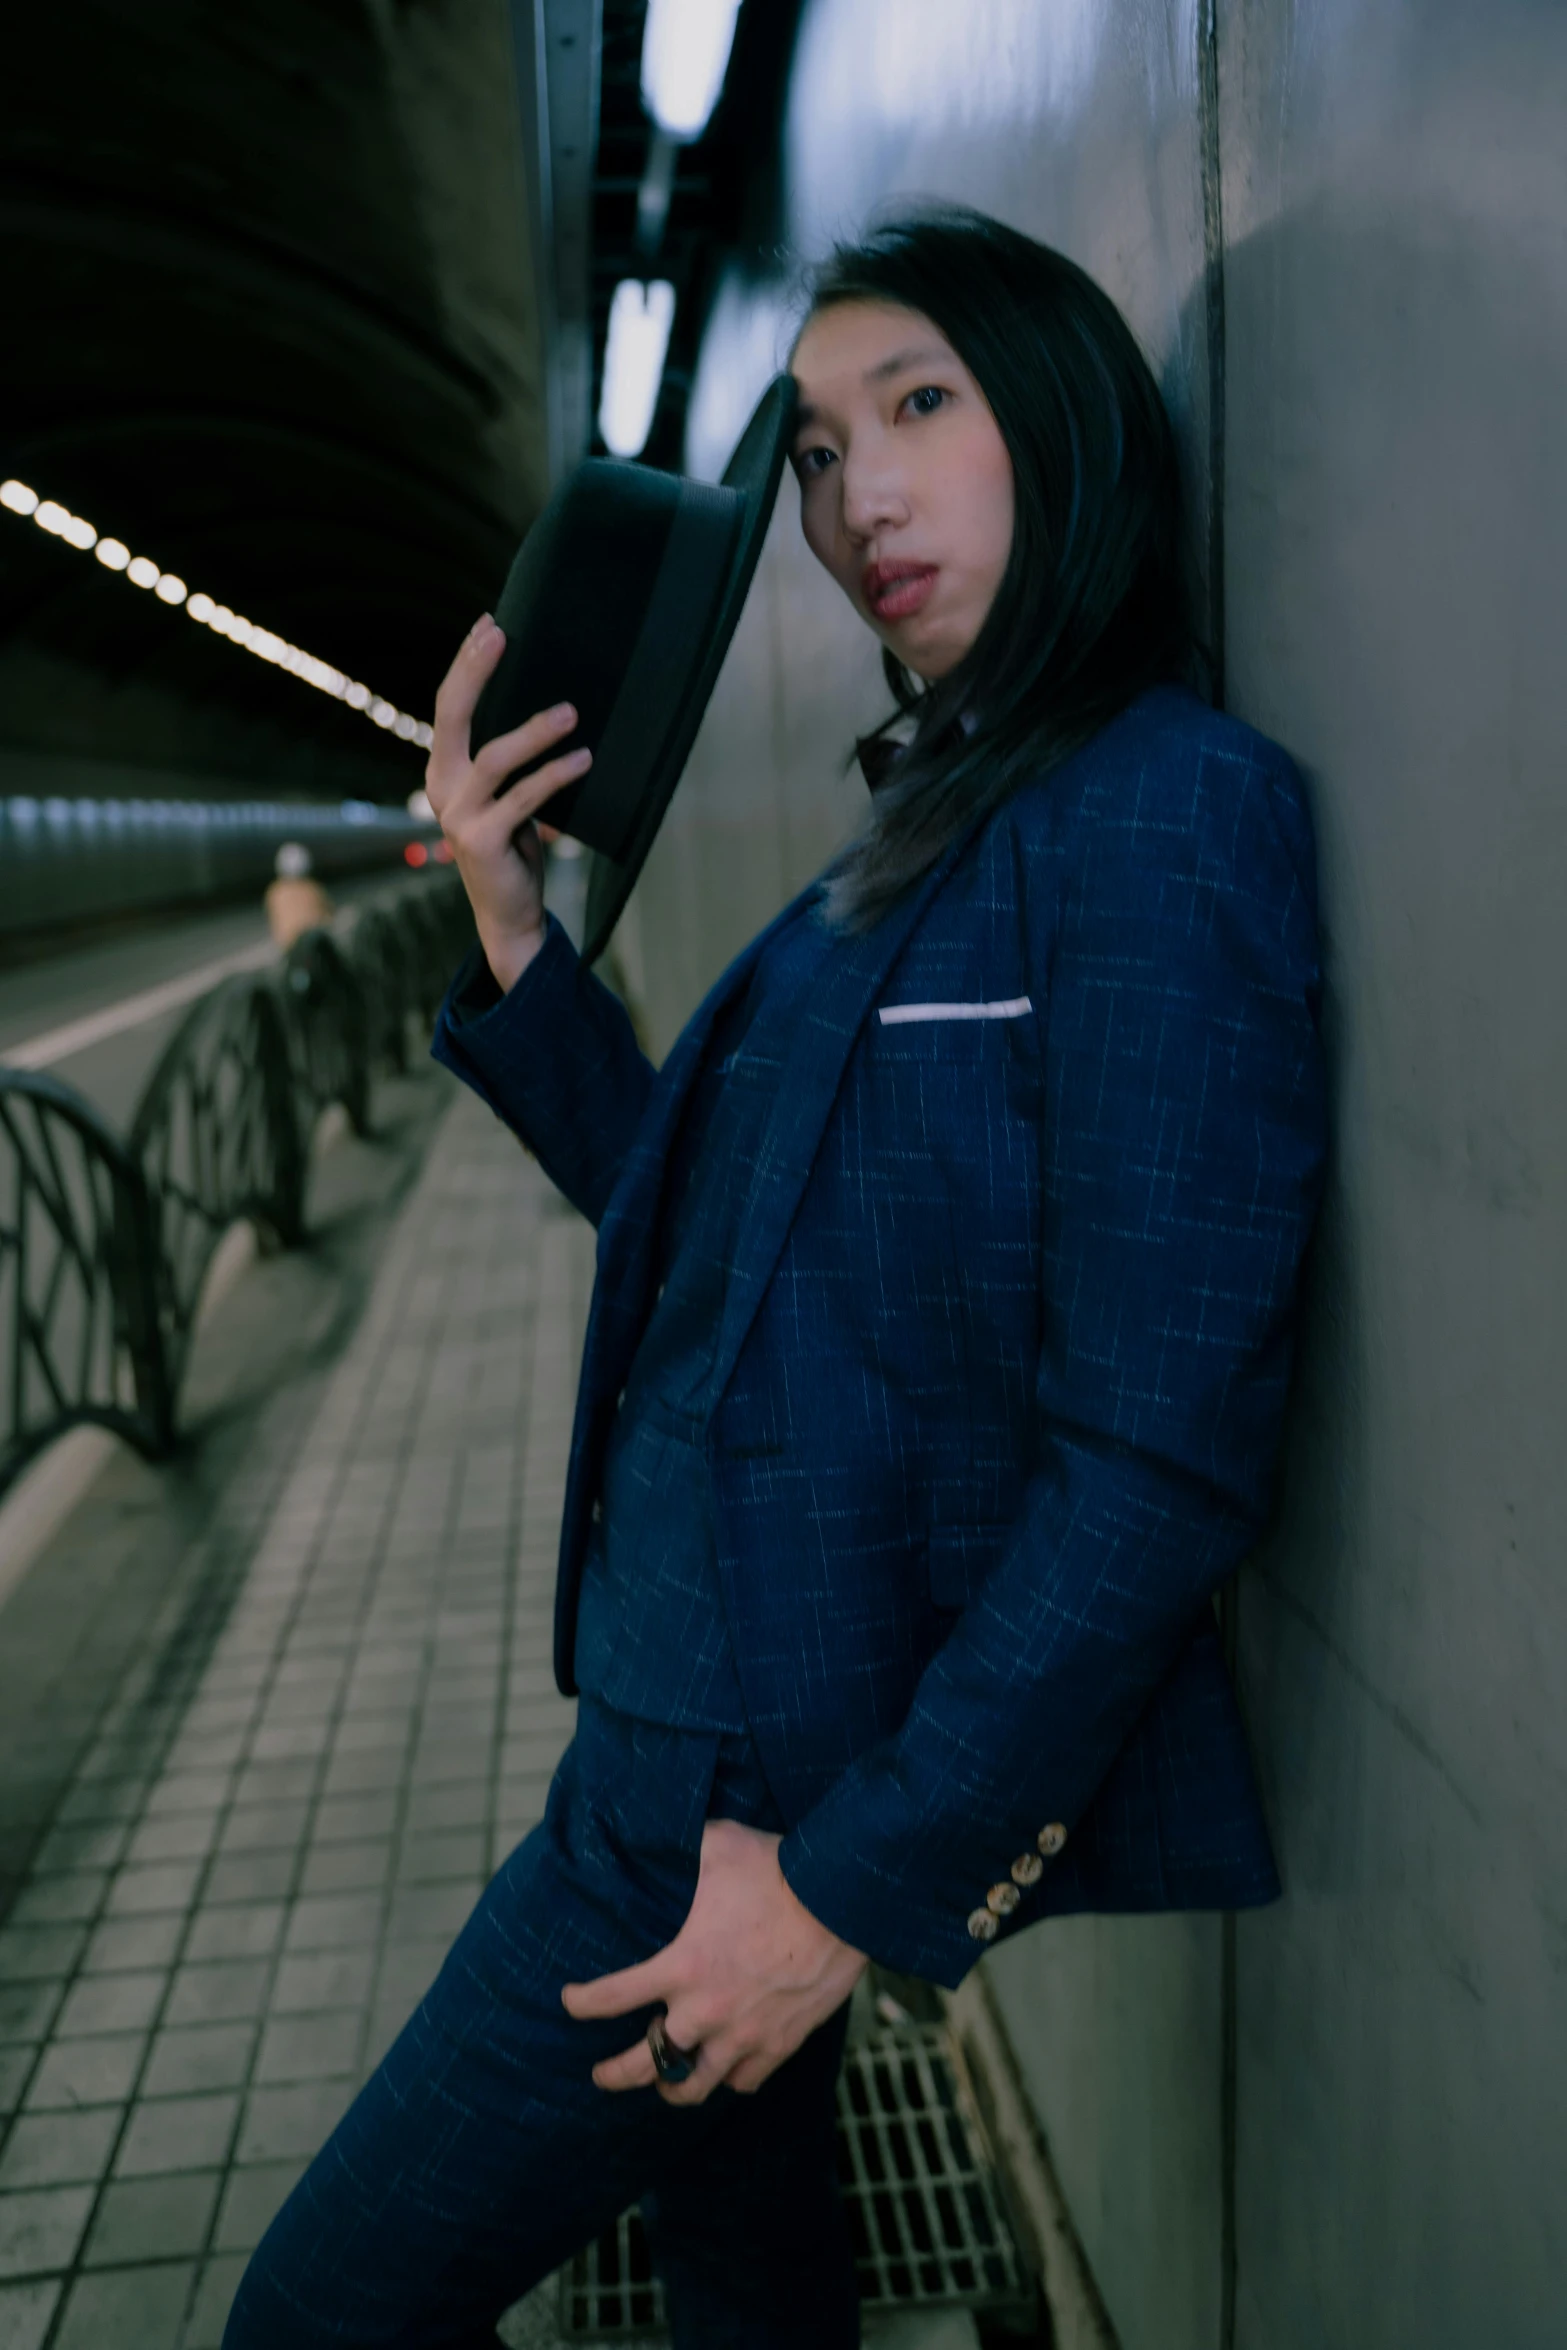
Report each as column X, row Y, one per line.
column 493, row 837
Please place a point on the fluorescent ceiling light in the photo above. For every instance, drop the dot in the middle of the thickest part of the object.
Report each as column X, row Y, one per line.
column 16, row 498
column 639, row 321
column 685, row 53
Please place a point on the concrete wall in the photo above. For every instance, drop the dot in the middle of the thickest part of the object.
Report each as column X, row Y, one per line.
column 1396, row 193
column 1393, row 510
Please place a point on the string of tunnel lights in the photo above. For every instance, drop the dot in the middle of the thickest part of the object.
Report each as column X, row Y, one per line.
column 142, row 572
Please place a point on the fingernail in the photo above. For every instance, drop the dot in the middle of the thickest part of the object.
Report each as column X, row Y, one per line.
column 581, row 759
column 563, row 711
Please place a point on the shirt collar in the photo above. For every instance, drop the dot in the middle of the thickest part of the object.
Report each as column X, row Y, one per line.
column 879, row 754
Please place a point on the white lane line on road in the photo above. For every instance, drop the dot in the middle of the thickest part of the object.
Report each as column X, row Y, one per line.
column 58, row 1044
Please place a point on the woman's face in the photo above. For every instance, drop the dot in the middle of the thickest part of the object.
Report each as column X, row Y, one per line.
column 905, row 482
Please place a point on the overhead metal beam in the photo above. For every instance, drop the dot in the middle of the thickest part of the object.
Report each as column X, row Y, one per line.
column 557, row 45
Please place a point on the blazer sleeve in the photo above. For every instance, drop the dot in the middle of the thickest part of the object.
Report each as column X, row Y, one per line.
column 1181, row 1165
column 557, row 1059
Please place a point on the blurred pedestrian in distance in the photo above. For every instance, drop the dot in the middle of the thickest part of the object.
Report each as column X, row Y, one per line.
column 295, row 901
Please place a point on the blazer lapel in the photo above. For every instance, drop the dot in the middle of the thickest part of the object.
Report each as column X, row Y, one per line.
column 825, row 1031
column 630, row 1220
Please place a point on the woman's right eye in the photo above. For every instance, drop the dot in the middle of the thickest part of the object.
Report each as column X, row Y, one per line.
column 805, row 468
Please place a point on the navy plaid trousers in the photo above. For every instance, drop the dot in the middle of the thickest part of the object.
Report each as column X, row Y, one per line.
column 480, row 2155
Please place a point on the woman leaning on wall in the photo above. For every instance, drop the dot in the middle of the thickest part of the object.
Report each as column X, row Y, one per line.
column 946, row 1293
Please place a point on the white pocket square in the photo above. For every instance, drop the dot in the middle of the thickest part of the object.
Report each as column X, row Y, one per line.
column 1010, row 1007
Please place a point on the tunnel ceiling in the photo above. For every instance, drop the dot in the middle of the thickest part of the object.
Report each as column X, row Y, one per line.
column 268, row 319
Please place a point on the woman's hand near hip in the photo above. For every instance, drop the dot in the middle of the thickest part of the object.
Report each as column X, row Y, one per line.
column 749, row 1975
column 493, row 836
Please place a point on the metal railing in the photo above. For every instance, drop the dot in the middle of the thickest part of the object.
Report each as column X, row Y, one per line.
column 105, row 1240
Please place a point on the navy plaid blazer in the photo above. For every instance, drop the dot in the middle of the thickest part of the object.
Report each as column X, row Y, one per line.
column 1006, row 1346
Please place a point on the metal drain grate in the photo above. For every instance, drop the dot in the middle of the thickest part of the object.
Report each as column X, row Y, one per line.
column 923, row 2201
column 609, row 2293
column 923, row 2204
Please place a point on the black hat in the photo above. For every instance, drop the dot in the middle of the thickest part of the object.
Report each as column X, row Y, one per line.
column 622, row 600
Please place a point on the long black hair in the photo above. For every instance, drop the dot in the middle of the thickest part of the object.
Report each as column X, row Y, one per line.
column 1095, row 602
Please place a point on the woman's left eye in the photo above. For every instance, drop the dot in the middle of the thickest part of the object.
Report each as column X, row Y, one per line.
column 931, row 392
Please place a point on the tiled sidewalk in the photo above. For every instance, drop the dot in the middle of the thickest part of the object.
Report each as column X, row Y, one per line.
column 302, row 1781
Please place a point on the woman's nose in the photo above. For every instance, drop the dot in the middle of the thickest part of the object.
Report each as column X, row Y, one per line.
column 874, row 498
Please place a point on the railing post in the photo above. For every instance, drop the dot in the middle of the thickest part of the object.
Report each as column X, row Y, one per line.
column 136, row 1264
